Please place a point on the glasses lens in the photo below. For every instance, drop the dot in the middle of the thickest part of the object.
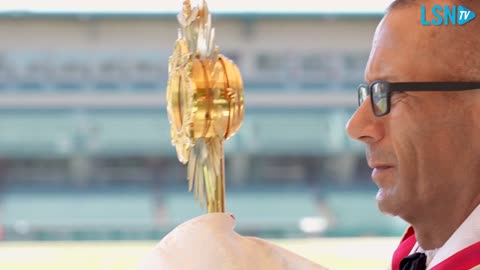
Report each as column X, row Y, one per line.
column 362, row 93
column 380, row 98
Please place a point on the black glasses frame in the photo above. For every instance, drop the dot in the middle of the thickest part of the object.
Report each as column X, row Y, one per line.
column 390, row 87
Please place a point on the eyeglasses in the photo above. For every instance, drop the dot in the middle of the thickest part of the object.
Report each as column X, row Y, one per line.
column 380, row 92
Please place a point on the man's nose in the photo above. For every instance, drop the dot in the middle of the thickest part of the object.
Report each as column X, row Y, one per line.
column 364, row 126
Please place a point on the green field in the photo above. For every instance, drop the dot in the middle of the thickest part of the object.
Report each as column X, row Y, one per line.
column 336, row 254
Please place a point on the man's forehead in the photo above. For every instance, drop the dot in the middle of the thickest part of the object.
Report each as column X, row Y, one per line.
column 403, row 49
column 393, row 36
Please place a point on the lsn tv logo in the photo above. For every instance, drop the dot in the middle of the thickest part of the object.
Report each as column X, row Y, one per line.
column 447, row 15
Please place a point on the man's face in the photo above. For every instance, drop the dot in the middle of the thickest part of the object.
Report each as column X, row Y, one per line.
column 425, row 152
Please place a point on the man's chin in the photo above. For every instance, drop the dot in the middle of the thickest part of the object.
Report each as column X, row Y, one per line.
column 384, row 203
column 381, row 195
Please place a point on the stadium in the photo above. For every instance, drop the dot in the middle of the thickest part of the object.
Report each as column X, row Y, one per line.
column 88, row 175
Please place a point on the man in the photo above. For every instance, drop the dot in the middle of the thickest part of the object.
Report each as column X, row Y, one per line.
column 420, row 124
column 422, row 139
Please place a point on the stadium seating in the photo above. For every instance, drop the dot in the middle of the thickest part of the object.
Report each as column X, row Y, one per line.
column 133, row 132
column 107, row 71
column 123, row 214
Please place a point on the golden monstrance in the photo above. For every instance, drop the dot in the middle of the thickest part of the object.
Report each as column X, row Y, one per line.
column 204, row 104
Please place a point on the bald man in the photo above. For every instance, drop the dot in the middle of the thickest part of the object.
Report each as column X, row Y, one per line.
column 419, row 118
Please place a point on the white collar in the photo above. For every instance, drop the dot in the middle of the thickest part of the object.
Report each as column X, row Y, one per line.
column 466, row 235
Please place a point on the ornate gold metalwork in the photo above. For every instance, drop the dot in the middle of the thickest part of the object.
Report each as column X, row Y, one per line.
column 205, row 104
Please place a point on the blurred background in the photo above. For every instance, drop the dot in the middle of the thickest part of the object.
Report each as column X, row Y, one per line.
column 86, row 163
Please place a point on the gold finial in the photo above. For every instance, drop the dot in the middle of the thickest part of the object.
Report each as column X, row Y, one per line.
column 187, row 8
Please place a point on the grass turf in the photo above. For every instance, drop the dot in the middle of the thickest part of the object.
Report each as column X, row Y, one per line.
column 334, row 253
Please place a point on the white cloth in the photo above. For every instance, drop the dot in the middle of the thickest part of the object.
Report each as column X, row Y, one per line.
column 466, row 235
column 209, row 242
